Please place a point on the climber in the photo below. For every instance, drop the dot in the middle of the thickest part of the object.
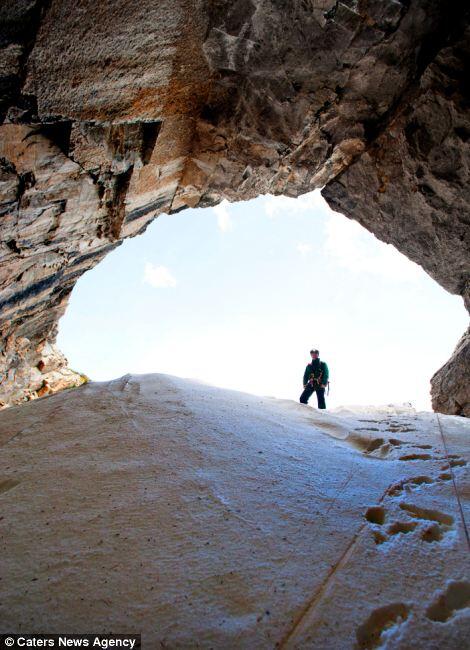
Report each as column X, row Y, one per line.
column 315, row 380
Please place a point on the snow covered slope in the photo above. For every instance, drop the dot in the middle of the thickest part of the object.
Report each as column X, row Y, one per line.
column 209, row 518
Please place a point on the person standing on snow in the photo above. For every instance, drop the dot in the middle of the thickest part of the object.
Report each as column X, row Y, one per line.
column 315, row 380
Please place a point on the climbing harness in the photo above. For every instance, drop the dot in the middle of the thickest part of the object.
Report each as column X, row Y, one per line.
column 312, row 380
column 453, row 481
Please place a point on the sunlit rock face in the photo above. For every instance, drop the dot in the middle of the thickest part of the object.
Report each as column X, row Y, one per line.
column 114, row 113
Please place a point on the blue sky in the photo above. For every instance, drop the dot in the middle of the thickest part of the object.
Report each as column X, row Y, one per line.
column 238, row 294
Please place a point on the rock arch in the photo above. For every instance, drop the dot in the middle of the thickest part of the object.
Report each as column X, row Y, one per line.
column 114, row 113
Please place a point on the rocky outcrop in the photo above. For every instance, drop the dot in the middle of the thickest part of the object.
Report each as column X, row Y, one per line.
column 450, row 385
column 112, row 115
column 208, row 518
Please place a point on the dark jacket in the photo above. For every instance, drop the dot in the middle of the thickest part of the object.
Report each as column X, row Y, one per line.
column 319, row 370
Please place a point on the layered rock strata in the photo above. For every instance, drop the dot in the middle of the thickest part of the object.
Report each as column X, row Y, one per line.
column 115, row 113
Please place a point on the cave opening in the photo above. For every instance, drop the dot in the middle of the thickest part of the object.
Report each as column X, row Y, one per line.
column 238, row 294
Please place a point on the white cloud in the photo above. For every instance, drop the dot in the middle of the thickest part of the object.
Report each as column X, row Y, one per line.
column 304, row 249
column 224, row 220
column 159, row 277
column 354, row 248
column 283, row 205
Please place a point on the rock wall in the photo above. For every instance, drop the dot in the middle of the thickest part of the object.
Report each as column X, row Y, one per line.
column 114, row 113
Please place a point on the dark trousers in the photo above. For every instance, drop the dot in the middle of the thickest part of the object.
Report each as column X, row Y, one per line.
column 308, row 392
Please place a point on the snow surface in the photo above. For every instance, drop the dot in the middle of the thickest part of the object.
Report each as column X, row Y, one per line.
column 203, row 517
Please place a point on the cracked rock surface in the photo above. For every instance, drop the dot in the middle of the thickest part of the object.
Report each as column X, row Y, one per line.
column 209, row 518
column 114, row 113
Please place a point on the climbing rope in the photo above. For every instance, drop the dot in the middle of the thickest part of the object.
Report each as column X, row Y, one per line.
column 453, row 481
